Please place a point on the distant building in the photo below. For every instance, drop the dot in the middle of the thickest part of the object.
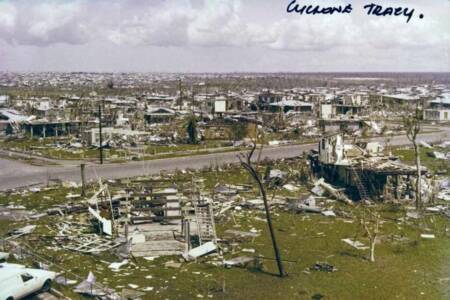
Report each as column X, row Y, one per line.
column 439, row 109
column 335, row 110
column 159, row 115
column 400, row 99
column 92, row 136
column 44, row 128
column 11, row 120
column 292, row 106
column 4, row 100
column 266, row 98
column 159, row 100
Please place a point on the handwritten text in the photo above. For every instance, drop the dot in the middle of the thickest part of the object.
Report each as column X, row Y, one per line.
column 371, row 9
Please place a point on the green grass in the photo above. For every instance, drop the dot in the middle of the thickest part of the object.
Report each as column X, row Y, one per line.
column 410, row 269
column 156, row 149
column 46, row 148
column 433, row 164
column 41, row 200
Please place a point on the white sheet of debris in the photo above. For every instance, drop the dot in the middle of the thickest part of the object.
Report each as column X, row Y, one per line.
column 355, row 244
column 329, row 213
column 427, row 236
column 290, row 187
column 425, row 144
column 115, row 266
column 106, row 224
column 204, row 249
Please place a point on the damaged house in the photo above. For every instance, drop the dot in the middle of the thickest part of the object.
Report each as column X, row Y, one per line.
column 159, row 115
column 439, row 109
column 342, row 106
column 292, row 106
column 363, row 170
column 11, row 121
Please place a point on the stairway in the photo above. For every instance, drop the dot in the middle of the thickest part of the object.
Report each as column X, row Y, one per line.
column 361, row 183
column 122, row 210
column 205, row 221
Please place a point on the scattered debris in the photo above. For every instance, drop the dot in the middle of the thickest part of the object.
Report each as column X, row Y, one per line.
column 427, row 236
column 242, row 234
column 338, row 195
column 240, row 261
column 328, row 213
column 172, row 264
column 355, row 244
column 290, row 187
column 425, row 145
column 90, row 288
column 437, row 155
column 413, row 215
column 248, row 250
column 115, row 266
column 323, row 267
column 106, row 224
column 202, row 250
column 21, row 231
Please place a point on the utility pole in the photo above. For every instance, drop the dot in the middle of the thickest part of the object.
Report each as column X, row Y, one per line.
column 100, row 133
column 180, row 100
column 206, row 91
column 83, row 181
column 193, row 98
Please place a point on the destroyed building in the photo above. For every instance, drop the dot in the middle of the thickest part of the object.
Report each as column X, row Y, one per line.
column 159, row 115
column 363, row 170
column 439, row 109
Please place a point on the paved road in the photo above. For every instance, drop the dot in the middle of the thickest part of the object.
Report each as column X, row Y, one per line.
column 14, row 174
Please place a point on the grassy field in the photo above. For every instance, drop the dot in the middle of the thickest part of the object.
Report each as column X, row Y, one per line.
column 433, row 164
column 411, row 269
column 47, row 148
column 406, row 266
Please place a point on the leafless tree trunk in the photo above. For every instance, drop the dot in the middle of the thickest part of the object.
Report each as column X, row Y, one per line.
column 371, row 224
column 247, row 164
column 412, row 127
column 387, row 142
column 419, row 179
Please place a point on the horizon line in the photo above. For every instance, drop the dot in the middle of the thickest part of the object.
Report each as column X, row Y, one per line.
column 236, row 72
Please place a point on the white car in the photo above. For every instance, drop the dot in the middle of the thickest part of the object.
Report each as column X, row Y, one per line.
column 17, row 281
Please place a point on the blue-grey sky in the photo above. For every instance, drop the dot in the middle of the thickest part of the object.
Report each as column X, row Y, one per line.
column 219, row 36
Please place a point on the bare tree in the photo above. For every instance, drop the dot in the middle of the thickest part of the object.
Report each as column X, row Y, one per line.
column 412, row 127
column 247, row 164
column 370, row 221
column 387, row 143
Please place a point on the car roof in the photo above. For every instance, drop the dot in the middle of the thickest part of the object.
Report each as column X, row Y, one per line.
column 9, row 271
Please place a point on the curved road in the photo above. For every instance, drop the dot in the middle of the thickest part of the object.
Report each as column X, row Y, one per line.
column 15, row 174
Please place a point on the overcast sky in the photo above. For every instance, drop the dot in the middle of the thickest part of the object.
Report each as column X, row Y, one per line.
column 219, row 36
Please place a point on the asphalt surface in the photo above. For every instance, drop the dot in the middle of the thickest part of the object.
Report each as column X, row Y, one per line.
column 15, row 174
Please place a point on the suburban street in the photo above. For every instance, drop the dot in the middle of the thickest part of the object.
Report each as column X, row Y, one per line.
column 15, row 174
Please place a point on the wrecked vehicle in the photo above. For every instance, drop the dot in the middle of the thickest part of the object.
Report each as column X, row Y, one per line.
column 18, row 282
